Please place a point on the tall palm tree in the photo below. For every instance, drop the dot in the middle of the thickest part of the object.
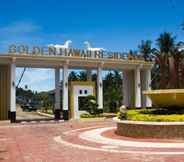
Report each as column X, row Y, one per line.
column 176, row 66
column 145, row 49
column 166, row 46
column 166, row 43
column 168, row 58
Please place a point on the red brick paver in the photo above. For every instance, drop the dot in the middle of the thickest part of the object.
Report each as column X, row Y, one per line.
column 34, row 143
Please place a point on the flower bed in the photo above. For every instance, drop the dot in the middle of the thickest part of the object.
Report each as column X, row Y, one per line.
column 155, row 115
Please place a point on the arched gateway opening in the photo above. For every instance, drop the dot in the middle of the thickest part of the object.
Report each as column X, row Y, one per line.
column 136, row 76
column 34, row 94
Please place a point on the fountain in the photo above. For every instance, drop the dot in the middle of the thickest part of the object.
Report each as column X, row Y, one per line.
column 167, row 99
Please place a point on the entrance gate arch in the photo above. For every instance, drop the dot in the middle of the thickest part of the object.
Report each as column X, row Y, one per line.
column 136, row 76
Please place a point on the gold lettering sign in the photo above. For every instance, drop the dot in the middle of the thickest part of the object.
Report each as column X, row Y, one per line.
column 36, row 50
column 68, row 52
column 23, row 49
column 52, row 51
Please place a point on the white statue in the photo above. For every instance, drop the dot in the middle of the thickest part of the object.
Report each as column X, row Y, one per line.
column 89, row 48
column 66, row 45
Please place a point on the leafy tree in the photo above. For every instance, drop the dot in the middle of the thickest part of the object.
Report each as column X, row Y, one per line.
column 73, row 76
column 145, row 49
column 94, row 77
column 82, row 75
column 112, row 87
column 47, row 100
column 91, row 105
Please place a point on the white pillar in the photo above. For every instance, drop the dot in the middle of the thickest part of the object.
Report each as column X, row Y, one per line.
column 57, row 105
column 137, row 87
column 89, row 77
column 12, row 92
column 65, row 92
column 99, row 88
column 65, row 87
column 126, row 89
column 148, row 86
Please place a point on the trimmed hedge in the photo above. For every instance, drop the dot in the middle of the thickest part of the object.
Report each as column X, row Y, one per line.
column 153, row 115
column 85, row 115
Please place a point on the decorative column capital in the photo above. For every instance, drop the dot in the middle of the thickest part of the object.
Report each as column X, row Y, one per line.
column 139, row 66
column 101, row 64
column 14, row 60
column 66, row 63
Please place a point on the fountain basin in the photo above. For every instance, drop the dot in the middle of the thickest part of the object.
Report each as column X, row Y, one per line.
column 166, row 97
column 141, row 129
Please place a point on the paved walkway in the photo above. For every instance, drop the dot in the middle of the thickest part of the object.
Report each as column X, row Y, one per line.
column 73, row 141
column 28, row 115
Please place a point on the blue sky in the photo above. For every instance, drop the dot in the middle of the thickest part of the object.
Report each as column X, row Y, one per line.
column 114, row 25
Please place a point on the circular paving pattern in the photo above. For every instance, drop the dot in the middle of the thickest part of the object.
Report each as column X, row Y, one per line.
column 105, row 139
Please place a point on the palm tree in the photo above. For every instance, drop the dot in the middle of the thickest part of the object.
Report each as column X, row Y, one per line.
column 73, row 76
column 176, row 66
column 145, row 49
column 166, row 43
column 168, row 58
column 82, row 76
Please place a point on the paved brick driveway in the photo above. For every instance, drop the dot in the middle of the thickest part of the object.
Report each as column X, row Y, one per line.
column 34, row 143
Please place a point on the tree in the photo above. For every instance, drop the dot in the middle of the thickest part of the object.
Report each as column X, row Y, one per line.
column 47, row 100
column 90, row 104
column 112, row 88
column 166, row 43
column 94, row 77
column 169, row 61
column 73, row 76
column 145, row 49
column 82, row 76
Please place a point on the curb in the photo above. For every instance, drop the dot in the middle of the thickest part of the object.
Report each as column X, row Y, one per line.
column 44, row 114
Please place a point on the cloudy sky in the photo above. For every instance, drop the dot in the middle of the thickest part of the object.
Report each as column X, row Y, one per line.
column 117, row 25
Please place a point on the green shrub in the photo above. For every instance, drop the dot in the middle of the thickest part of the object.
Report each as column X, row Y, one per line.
column 118, row 115
column 86, row 115
column 90, row 105
column 150, row 115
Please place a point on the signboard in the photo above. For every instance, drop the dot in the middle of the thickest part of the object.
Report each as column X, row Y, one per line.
column 70, row 52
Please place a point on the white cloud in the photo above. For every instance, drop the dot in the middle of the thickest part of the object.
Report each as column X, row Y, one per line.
column 26, row 32
column 19, row 27
column 19, row 32
column 29, row 33
column 36, row 79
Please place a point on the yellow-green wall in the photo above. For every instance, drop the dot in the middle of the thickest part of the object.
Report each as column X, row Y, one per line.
column 4, row 91
column 75, row 83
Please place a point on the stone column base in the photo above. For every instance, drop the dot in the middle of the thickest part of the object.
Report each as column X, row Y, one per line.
column 65, row 115
column 100, row 111
column 57, row 114
column 13, row 117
